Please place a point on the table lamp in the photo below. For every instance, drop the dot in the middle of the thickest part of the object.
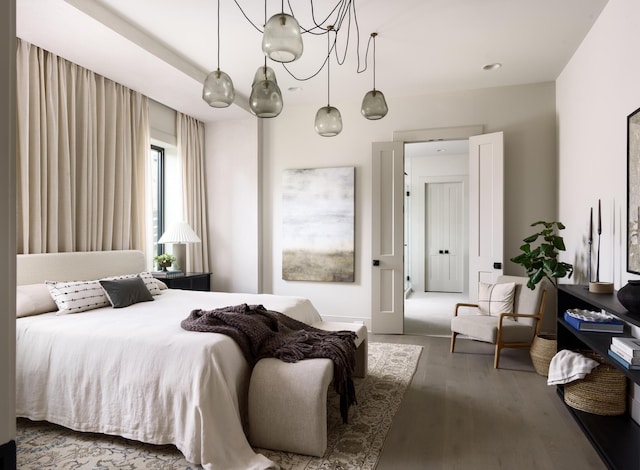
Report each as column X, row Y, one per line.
column 179, row 235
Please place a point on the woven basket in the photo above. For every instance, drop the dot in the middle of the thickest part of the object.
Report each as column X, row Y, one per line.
column 543, row 348
column 602, row 392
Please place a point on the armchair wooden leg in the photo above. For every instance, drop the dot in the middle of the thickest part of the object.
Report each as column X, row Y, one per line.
column 453, row 340
column 496, row 358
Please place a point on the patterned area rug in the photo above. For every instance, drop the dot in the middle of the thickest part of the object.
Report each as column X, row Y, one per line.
column 355, row 446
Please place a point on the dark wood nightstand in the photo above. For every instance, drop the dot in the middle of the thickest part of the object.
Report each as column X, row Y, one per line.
column 190, row 281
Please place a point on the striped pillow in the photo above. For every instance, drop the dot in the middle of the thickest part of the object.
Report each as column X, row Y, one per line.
column 77, row 296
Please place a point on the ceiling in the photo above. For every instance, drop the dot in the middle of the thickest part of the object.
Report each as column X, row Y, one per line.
column 165, row 48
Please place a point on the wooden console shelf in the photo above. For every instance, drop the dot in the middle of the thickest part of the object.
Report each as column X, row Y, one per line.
column 615, row 438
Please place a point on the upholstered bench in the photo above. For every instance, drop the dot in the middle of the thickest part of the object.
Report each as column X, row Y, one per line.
column 288, row 401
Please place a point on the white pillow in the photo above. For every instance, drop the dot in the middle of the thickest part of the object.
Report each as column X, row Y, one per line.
column 33, row 299
column 77, row 296
column 494, row 299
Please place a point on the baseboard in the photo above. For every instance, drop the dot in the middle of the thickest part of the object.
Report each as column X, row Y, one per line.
column 407, row 292
column 8, row 456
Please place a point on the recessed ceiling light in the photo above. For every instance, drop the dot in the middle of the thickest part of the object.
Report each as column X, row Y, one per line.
column 494, row 66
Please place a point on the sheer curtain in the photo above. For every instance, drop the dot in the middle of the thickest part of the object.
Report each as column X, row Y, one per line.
column 190, row 137
column 81, row 150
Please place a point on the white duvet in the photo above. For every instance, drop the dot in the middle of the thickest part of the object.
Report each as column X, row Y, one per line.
column 135, row 373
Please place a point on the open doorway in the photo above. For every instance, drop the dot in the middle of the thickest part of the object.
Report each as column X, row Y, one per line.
column 485, row 220
column 436, row 233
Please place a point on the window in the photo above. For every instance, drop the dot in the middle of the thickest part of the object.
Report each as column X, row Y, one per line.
column 156, row 159
column 163, row 205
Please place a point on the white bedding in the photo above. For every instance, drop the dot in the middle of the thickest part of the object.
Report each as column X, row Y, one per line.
column 135, row 373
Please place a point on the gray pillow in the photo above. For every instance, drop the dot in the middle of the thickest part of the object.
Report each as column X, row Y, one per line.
column 125, row 292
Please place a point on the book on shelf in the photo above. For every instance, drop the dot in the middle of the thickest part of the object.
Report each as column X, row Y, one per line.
column 629, row 345
column 620, row 360
column 624, row 354
column 167, row 274
column 585, row 320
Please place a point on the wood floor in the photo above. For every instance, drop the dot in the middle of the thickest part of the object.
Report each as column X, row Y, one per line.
column 462, row 414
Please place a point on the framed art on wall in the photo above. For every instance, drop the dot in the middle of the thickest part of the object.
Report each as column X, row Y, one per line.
column 318, row 224
column 633, row 192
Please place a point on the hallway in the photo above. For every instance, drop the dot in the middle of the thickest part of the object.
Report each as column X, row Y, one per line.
column 429, row 313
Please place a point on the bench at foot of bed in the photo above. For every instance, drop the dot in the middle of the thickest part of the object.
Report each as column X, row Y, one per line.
column 288, row 401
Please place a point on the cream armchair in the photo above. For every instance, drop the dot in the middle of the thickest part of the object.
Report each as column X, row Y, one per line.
column 492, row 322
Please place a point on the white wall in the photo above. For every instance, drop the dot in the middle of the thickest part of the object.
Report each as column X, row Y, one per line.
column 596, row 91
column 7, row 232
column 526, row 114
column 232, row 165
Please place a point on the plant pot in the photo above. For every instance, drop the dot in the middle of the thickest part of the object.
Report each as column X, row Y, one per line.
column 165, row 265
column 629, row 296
column 543, row 348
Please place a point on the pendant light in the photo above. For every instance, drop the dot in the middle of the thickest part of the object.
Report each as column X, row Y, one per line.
column 328, row 119
column 264, row 73
column 265, row 100
column 374, row 106
column 218, row 89
column 282, row 39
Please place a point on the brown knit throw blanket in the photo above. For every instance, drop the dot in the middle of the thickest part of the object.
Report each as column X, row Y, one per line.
column 264, row 333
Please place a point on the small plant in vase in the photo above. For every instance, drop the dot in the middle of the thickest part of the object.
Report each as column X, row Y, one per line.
column 164, row 261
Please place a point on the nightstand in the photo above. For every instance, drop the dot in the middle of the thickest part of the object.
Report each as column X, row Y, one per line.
column 190, row 281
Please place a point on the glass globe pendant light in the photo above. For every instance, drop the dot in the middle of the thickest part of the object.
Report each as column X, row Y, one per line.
column 265, row 100
column 264, row 72
column 328, row 119
column 218, row 89
column 282, row 39
column 374, row 106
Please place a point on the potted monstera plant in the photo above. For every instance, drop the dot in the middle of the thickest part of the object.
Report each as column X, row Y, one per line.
column 539, row 257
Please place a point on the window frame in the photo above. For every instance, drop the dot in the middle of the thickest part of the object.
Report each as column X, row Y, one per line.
column 160, row 195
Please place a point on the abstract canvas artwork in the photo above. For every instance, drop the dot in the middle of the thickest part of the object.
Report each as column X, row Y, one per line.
column 633, row 192
column 318, row 224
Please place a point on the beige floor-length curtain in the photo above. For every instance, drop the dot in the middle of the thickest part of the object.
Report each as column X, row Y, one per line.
column 82, row 145
column 190, row 137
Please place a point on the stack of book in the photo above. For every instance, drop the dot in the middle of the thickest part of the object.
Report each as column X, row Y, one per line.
column 168, row 274
column 626, row 352
column 588, row 320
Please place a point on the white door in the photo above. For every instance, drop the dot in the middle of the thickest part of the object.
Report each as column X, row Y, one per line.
column 486, row 209
column 387, row 238
column 444, row 249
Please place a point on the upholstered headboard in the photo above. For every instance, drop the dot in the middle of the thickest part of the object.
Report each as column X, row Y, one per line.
column 77, row 266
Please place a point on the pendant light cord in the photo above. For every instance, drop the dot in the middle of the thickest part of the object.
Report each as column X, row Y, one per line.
column 218, row 35
column 329, row 28
column 265, row 24
column 373, row 35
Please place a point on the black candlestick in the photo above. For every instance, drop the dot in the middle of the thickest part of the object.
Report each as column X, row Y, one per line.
column 599, row 232
column 590, row 245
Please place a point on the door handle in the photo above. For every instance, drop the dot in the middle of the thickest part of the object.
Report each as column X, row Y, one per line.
column 440, row 252
column 446, row 252
column 497, row 265
column 376, row 262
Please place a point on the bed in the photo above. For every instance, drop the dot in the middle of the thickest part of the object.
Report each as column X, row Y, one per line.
column 133, row 371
